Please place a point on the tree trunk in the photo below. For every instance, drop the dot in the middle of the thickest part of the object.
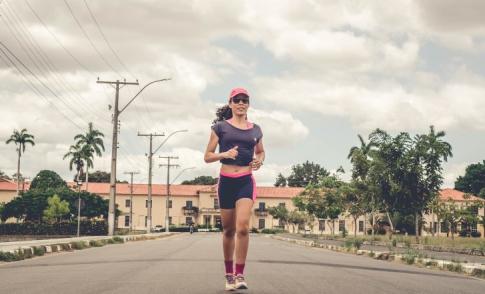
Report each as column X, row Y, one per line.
column 390, row 222
column 333, row 227
column 18, row 171
column 432, row 222
column 365, row 224
column 373, row 225
column 87, row 177
column 355, row 227
column 416, row 220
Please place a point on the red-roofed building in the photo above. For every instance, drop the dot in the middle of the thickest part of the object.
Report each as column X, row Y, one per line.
column 199, row 204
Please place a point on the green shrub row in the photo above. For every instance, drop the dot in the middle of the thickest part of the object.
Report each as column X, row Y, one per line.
column 21, row 254
column 88, row 228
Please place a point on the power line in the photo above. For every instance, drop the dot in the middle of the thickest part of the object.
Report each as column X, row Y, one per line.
column 49, row 65
column 30, row 82
column 89, row 39
column 106, row 40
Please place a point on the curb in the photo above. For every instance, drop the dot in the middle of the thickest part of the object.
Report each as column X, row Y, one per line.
column 474, row 269
column 69, row 244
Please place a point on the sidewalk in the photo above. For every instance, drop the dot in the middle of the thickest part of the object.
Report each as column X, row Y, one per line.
column 464, row 258
column 14, row 246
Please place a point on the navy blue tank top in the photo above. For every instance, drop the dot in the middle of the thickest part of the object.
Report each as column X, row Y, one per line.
column 230, row 136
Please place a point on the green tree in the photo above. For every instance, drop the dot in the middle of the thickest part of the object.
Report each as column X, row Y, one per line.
column 279, row 212
column 56, row 209
column 361, row 160
column 92, row 143
column 201, row 180
column 473, row 181
column 2, row 207
column 280, row 181
column 47, row 180
column 99, row 177
column 21, row 139
column 296, row 218
column 303, row 174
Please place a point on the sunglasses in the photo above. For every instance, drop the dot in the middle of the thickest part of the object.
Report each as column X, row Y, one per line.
column 236, row 100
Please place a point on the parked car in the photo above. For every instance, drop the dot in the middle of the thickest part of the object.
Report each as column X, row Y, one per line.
column 158, row 228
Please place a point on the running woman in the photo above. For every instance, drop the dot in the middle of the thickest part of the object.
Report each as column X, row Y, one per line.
column 241, row 151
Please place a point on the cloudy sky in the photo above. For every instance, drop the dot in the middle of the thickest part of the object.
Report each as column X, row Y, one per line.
column 318, row 72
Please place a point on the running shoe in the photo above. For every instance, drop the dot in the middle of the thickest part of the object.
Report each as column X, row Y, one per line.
column 241, row 282
column 230, row 282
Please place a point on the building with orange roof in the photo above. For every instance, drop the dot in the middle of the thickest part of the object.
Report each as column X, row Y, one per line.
column 199, row 204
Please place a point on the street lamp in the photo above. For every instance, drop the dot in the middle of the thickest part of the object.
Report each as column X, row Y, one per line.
column 150, row 163
column 171, row 134
column 114, row 146
column 180, row 173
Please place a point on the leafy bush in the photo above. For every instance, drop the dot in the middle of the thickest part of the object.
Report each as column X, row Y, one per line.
column 79, row 245
column 96, row 243
column 357, row 243
column 272, row 231
column 476, row 234
column 8, row 256
column 117, row 239
column 39, row 250
column 394, row 242
column 454, row 267
column 254, row 230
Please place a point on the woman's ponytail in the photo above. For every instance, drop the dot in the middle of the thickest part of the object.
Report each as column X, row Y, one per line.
column 223, row 113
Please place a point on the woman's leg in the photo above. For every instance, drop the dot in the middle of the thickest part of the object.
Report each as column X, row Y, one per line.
column 243, row 213
column 228, row 218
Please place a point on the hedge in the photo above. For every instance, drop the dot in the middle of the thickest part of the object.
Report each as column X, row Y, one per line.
column 88, row 228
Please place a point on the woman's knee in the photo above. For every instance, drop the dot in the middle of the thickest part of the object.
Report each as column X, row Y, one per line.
column 242, row 230
column 229, row 232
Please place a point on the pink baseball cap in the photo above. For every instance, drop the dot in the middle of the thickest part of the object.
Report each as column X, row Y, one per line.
column 237, row 91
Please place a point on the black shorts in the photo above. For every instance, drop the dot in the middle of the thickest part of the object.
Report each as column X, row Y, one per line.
column 232, row 187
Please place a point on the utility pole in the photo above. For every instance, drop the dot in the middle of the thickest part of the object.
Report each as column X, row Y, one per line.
column 131, row 197
column 114, row 148
column 150, row 164
column 117, row 112
column 168, row 165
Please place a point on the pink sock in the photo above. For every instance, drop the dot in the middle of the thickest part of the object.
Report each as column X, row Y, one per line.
column 229, row 266
column 239, row 269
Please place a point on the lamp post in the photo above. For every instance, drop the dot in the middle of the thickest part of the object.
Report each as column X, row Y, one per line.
column 116, row 112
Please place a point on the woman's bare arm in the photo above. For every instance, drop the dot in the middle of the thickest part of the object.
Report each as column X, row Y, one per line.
column 211, row 156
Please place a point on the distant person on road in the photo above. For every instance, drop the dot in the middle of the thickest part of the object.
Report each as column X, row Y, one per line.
column 191, row 228
column 240, row 151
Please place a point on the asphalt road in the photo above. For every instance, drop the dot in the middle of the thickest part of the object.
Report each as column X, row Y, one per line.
column 193, row 264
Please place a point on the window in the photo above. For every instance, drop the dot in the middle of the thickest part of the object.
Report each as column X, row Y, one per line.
column 188, row 204
column 216, row 203
column 474, row 210
column 262, row 206
column 281, row 224
column 169, row 203
column 170, row 221
column 321, row 225
column 207, row 220
column 473, row 227
column 435, row 226
column 188, row 220
column 146, row 221
column 127, row 220
column 282, row 204
column 261, row 223
column 146, row 203
column 341, row 225
column 361, row 226
column 127, row 203
column 444, row 227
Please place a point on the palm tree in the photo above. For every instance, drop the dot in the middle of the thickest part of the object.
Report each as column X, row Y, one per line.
column 21, row 139
column 77, row 154
column 93, row 142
